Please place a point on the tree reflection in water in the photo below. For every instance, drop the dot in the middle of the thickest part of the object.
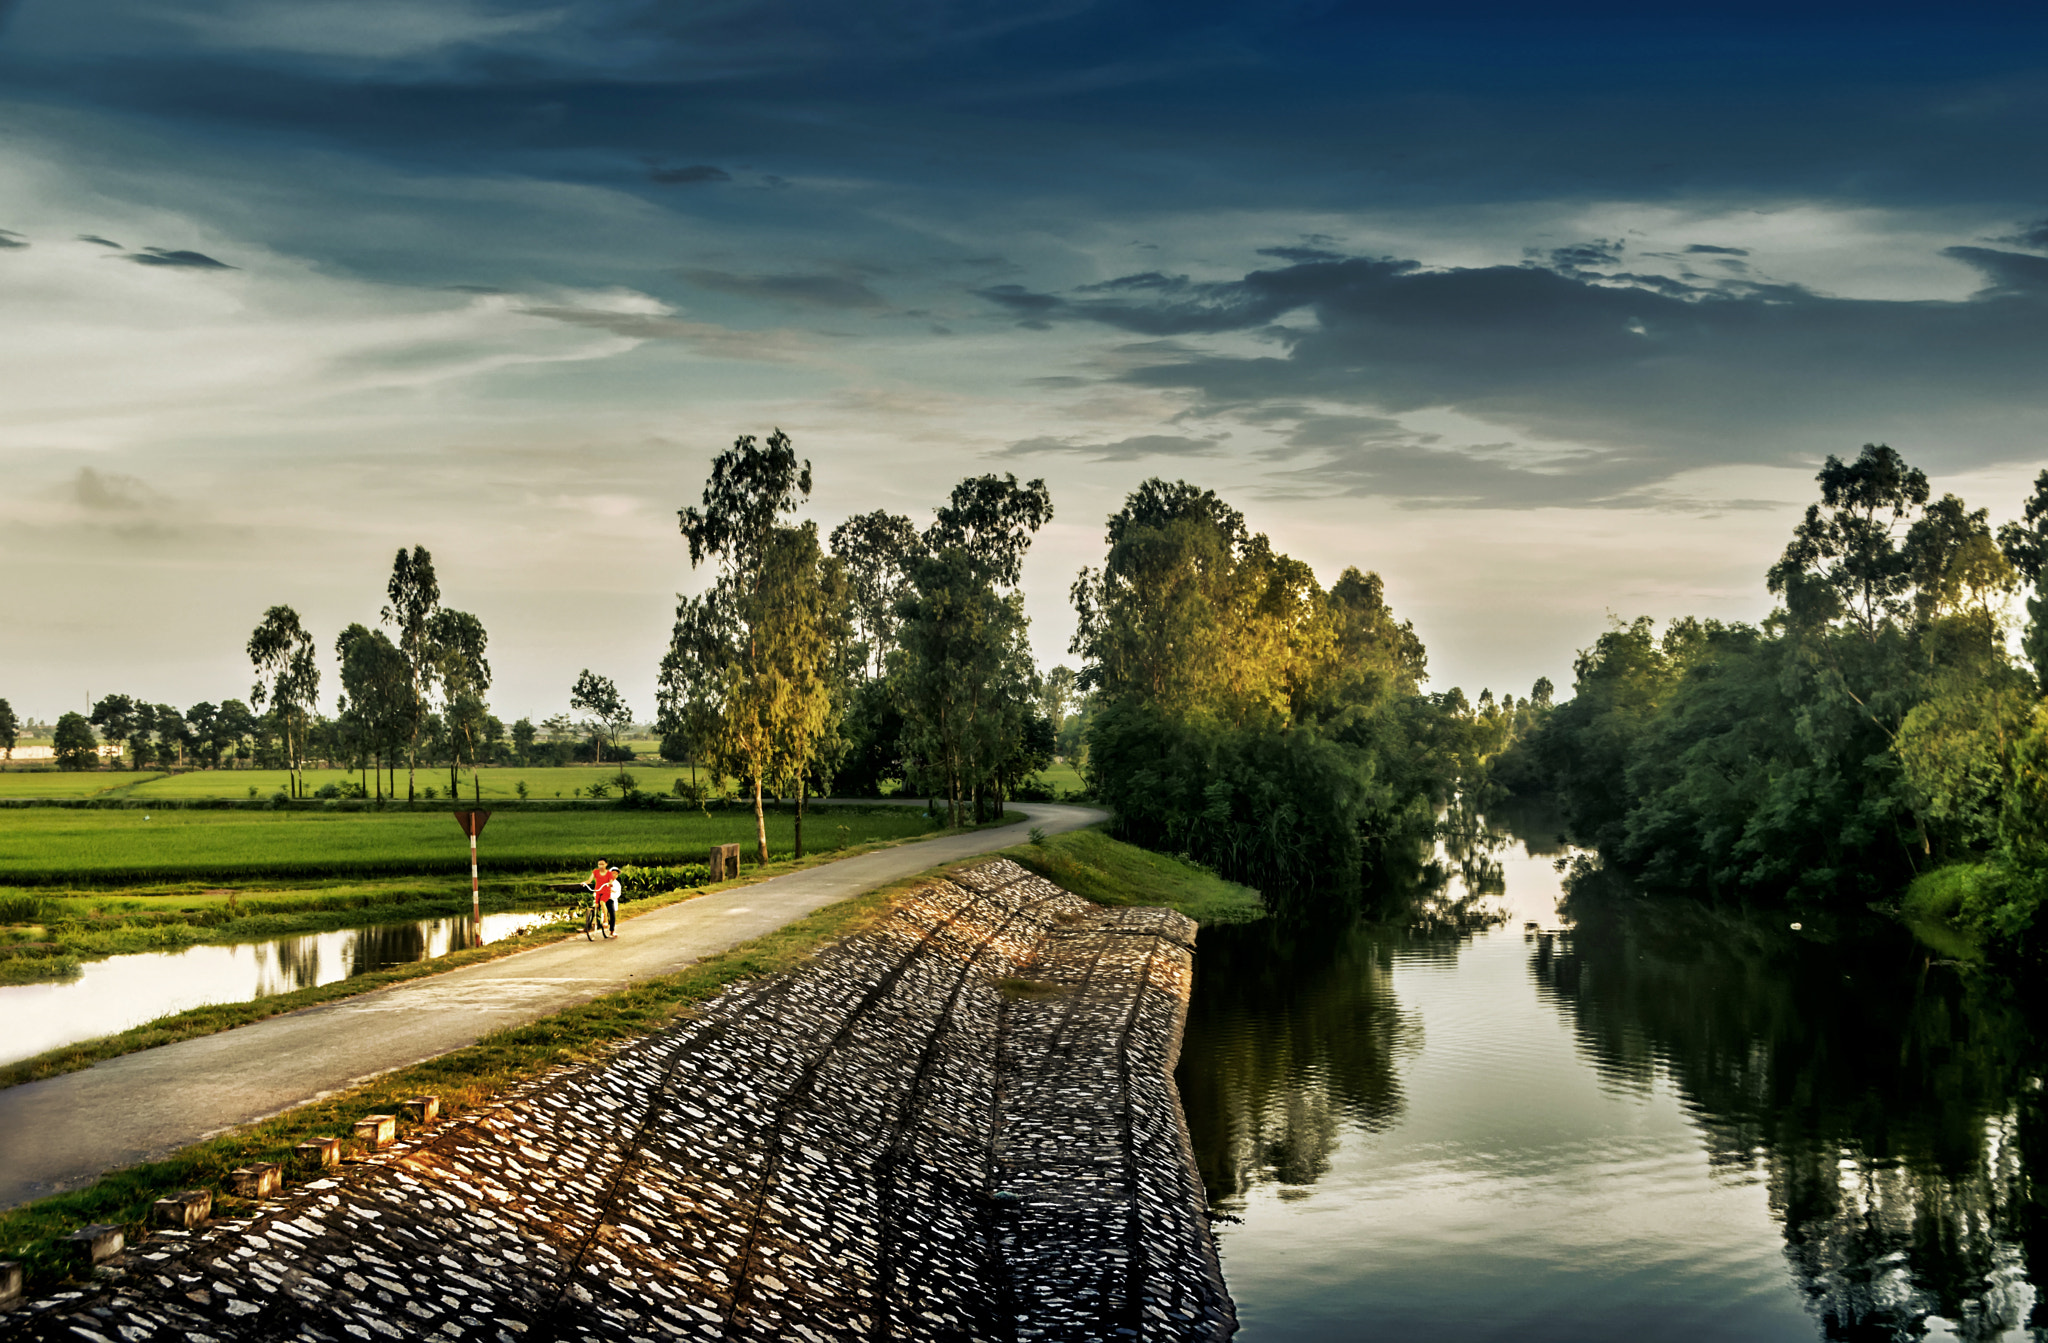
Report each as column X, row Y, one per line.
column 1294, row 1030
column 1888, row 1102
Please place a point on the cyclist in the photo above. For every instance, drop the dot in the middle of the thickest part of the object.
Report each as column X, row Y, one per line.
column 604, row 883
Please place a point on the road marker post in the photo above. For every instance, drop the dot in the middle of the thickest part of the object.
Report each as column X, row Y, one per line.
column 472, row 823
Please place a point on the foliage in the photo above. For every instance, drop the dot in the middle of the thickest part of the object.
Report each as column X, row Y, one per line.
column 1246, row 716
column 75, row 745
column 875, row 549
column 10, row 730
column 1874, row 728
column 599, row 697
column 414, row 595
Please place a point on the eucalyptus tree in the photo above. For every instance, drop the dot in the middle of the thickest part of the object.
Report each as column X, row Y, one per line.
column 456, row 641
column 2025, row 543
column 777, row 606
column 962, row 675
column 690, row 694
column 609, row 714
column 376, row 682
column 1845, row 560
column 876, row 549
column 414, row 595
column 10, row 729
column 282, row 653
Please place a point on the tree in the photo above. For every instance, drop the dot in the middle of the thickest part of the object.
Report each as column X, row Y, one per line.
column 201, row 722
column 875, row 548
column 10, row 729
column 116, row 717
column 281, row 650
column 1847, row 562
column 414, row 595
column 233, row 726
column 690, row 696
column 2025, row 544
column 522, row 740
column 1055, row 693
column 767, row 632
column 457, row 642
column 963, row 675
column 598, row 697
column 376, row 682
column 74, row 742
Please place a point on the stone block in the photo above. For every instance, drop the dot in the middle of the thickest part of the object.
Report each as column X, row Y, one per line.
column 91, row 1245
column 317, row 1153
column 377, row 1131
column 10, row 1281
column 423, row 1109
column 260, row 1180
column 182, row 1212
column 725, row 862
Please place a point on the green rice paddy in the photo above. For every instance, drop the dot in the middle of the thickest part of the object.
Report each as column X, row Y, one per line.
column 69, row 845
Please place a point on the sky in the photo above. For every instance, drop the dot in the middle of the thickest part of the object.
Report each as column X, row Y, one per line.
column 1546, row 314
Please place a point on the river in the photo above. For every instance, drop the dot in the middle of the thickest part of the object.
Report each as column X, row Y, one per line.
column 121, row 991
column 1631, row 1121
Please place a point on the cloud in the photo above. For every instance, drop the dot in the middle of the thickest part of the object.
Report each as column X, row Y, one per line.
column 157, row 256
column 1710, row 249
column 110, row 492
column 814, row 291
column 1123, row 450
column 1582, row 256
column 656, row 324
column 1643, row 376
column 10, row 239
column 104, row 242
column 696, row 172
column 2029, row 235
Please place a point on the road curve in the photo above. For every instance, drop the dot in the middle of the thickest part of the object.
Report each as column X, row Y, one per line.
column 64, row 1132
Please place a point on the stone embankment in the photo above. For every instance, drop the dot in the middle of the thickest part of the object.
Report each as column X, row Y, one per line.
column 958, row 1125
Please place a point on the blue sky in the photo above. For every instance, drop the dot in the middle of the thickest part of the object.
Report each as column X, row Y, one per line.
column 1542, row 314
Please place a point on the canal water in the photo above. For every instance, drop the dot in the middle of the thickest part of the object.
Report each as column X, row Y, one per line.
column 122, row 991
column 1632, row 1121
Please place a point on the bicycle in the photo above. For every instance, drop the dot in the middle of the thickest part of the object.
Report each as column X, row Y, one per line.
column 594, row 921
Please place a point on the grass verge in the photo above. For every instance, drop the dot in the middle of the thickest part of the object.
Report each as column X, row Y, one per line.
column 466, row 1080
column 1110, row 872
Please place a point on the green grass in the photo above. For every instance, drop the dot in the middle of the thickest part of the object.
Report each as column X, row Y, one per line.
column 64, row 783
column 1934, row 908
column 465, row 1080
column 1110, row 872
column 1062, row 778
column 39, row 845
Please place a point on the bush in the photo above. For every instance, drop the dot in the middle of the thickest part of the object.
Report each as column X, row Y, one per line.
column 327, row 790
column 655, row 880
column 600, row 790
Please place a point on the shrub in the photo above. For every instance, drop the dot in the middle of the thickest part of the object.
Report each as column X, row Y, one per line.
column 600, row 790
column 655, row 880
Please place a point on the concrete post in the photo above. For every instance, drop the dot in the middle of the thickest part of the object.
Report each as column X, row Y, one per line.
column 377, row 1131
column 10, row 1281
column 91, row 1245
column 318, row 1153
column 260, row 1180
column 182, row 1212
column 422, row 1109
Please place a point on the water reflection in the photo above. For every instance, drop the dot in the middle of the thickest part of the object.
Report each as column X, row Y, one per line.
column 1886, row 1100
column 123, row 991
column 1480, row 1114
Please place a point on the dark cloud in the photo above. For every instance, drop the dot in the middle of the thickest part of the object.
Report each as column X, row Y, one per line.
column 1299, row 254
column 104, row 242
column 10, row 239
column 1583, row 256
column 1123, row 450
column 696, row 172
column 157, row 256
column 2029, row 235
column 1709, row 248
column 110, row 492
column 816, row 291
column 1653, row 376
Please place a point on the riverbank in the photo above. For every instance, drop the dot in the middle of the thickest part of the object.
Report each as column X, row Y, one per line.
column 962, row 1110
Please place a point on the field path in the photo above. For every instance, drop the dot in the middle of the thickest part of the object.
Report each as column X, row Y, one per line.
column 63, row 1132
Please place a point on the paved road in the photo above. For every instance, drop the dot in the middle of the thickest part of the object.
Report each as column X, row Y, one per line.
column 65, row 1131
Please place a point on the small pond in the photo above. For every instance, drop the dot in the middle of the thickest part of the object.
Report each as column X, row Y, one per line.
column 1632, row 1121
column 122, row 991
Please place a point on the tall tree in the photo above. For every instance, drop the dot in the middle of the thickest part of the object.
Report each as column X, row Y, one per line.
column 414, row 596
column 376, row 682
column 458, row 641
column 2025, row 544
column 201, row 722
column 599, row 697
column 690, row 697
column 115, row 716
column 776, row 601
column 281, row 650
column 1845, row 559
column 10, row 729
column 876, row 549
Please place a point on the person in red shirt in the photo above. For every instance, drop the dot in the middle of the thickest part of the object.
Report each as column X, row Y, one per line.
column 604, row 880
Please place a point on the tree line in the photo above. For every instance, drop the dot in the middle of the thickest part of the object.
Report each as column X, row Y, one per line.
column 1875, row 728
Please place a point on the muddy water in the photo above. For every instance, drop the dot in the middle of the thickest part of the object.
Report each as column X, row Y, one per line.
column 123, row 991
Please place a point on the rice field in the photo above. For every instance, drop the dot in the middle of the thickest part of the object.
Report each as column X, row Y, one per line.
column 55, row 783
column 67, row 845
